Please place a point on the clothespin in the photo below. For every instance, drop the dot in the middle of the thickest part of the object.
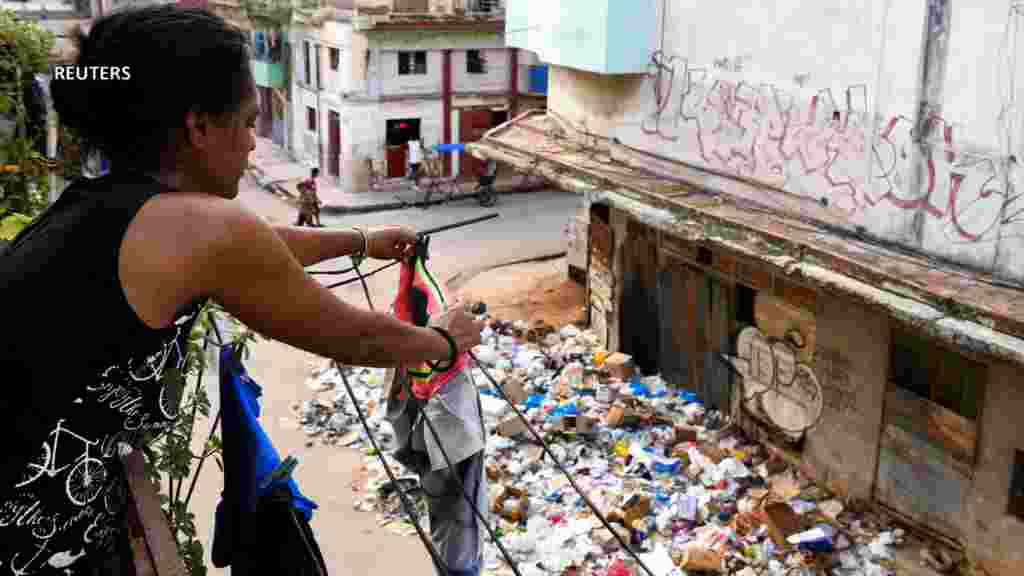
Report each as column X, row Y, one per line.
column 423, row 247
column 284, row 470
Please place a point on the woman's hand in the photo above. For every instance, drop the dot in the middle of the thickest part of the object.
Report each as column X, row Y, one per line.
column 462, row 326
column 390, row 242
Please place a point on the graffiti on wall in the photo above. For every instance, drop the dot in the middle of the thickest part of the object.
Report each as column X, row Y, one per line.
column 818, row 148
column 777, row 388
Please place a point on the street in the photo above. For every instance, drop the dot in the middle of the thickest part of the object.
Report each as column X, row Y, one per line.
column 530, row 225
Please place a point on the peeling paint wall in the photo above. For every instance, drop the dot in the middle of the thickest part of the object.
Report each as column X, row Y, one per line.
column 903, row 117
column 851, row 362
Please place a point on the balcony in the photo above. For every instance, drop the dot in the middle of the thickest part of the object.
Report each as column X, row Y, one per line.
column 601, row 36
column 383, row 15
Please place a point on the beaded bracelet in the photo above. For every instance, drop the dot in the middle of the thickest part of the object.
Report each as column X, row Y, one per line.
column 453, row 351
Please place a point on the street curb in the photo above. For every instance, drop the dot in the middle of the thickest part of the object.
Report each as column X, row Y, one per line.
column 336, row 210
column 339, row 210
column 460, row 279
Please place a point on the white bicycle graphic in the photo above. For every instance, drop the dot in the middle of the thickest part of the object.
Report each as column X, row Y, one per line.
column 87, row 475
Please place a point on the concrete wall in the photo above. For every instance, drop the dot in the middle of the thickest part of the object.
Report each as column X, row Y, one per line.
column 851, row 362
column 494, row 79
column 996, row 534
column 385, row 80
column 392, row 83
column 605, row 36
column 820, row 97
column 363, row 127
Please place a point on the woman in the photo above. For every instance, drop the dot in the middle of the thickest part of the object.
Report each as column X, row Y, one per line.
column 107, row 283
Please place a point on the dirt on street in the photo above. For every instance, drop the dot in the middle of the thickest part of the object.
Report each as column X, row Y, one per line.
column 536, row 292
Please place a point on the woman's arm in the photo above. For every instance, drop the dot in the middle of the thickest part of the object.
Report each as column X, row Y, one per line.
column 234, row 257
column 312, row 245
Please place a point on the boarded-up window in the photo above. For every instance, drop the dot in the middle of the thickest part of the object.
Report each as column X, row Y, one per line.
column 935, row 394
column 934, row 373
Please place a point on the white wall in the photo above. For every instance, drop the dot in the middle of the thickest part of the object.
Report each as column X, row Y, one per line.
column 392, row 83
column 383, row 70
column 494, row 78
column 819, row 97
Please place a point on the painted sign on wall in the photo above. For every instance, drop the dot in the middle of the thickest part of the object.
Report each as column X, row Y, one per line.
column 777, row 388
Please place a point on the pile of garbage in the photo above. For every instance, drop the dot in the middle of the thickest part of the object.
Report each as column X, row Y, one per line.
column 687, row 491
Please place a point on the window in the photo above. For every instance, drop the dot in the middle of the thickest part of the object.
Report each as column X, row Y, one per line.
column 1017, row 485
column 335, row 56
column 310, row 119
column 745, row 298
column 410, row 63
column 307, row 78
column 476, row 62
column 936, row 374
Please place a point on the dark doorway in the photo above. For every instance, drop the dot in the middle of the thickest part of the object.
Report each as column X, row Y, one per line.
column 640, row 337
column 265, row 124
column 333, row 143
column 398, row 133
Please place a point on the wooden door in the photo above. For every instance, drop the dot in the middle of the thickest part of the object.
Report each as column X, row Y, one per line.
column 676, row 325
column 473, row 124
column 396, row 156
column 640, row 314
column 717, row 376
column 333, row 143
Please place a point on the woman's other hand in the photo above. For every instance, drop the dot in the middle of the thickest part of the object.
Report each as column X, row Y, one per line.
column 390, row 242
column 463, row 327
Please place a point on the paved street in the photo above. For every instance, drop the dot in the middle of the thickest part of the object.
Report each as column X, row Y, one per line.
column 530, row 225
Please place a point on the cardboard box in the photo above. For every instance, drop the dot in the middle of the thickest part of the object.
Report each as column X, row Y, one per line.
column 620, row 366
column 511, row 426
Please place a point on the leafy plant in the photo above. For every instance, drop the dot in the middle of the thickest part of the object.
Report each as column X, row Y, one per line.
column 173, row 461
column 24, row 51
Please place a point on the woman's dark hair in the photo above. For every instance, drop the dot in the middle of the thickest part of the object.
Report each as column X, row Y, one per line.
column 179, row 60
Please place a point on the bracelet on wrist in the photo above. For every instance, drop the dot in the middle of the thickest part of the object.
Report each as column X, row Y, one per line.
column 366, row 244
column 453, row 351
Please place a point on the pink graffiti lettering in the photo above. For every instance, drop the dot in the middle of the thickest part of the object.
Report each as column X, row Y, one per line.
column 819, row 148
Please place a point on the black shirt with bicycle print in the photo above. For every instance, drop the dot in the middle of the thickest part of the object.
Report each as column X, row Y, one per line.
column 62, row 506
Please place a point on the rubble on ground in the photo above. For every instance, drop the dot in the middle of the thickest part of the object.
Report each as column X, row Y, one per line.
column 685, row 490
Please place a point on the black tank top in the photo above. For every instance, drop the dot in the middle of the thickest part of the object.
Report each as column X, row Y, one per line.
column 82, row 375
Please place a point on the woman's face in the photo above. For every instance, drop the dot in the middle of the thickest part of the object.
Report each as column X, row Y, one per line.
column 227, row 143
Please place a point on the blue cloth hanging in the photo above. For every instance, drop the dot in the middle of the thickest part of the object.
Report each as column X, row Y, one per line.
column 249, row 458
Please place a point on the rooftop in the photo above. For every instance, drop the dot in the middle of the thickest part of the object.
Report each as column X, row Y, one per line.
column 388, row 15
column 802, row 237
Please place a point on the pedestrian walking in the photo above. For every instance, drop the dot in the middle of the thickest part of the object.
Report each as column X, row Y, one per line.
column 107, row 283
column 415, row 159
column 309, row 201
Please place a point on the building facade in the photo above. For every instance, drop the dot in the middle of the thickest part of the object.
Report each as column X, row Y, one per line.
column 368, row 80
column 819, row 210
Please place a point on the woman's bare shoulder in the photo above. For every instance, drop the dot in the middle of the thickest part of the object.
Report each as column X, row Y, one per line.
column 172, row 243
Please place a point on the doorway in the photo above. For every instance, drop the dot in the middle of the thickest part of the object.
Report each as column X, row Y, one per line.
column 398, row 134
column 333, row 144
column 265, row 124
column 473, row 124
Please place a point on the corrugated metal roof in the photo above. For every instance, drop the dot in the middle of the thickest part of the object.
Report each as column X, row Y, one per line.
column 764, row 222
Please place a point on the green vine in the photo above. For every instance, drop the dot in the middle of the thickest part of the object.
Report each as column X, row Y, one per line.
column 174, row 461
column 24, row 172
